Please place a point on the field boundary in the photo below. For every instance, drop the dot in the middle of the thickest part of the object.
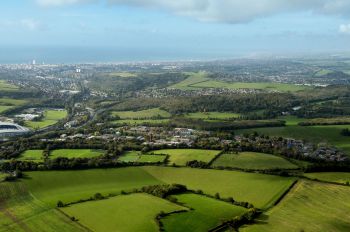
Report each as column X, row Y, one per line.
column 75, row 221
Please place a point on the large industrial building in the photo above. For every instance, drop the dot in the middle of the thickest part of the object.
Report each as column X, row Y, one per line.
column 8, row 129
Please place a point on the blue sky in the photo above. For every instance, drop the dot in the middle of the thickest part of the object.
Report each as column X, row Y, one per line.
column 217, row 27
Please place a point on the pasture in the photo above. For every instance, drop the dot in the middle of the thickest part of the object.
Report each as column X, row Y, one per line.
column 253, row 160
column 309, row 206
column 212, row 115
column 134, row 212
column 50, row 117
column 9, row 103
column 32, row 155
column 75, row 153
column 182, row 156
column 136, row 122
column 246, row 85
column 336, row 177
column 193, row 78
column 154, row 113
column 206, row 214
column 70, row 186
column 20, row 211
column 122, row 74
column 135, row 156
column 259, row 189
column 5, row 86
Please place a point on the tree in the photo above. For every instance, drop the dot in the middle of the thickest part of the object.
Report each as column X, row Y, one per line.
column 60, row 204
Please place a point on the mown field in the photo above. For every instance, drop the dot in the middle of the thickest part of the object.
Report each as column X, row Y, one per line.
column 245, row 85
column 206, row 214
column 51, row 117
column 134, row 212
column 5, row 86
column 9, row 103
column 260, row 190
column 182, row 156
column 142, row 114
column 193, row 78
column 20, row 211
column 136, row 156
column 75, row 153
column 137, row 122
column 336, row 177
column 212, row 115
column 309, row 206
column 32, row 155
column 68, row 186
column 253, row 160
column 200, row 80
column 122, row 74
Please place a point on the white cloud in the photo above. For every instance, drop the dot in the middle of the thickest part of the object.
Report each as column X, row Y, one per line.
column 344, row 28
column 236, row 11
column 228, row 11
column 48, row 3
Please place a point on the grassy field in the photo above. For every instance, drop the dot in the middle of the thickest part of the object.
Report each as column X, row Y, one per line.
column 182, row 156
column 316, row 134
column 50, row 118
column 136, row 122
column 32, row 155
column 9, row 103
column 253, row 160
column 5, row 86
column 212, row 115
column 122, row 74
column 336, row 177
column 142, row 114
column 242, row 85
column 135, row 156
column 134, row 212
column 207, row 213
column 75, row 153
column 322, row 72
column 311, row 207
column 69, row 186
column 20, row 211
column 193, row 78
column 260, row 190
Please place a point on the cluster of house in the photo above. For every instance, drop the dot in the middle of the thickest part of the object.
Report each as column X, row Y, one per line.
column 169, row 92
column 30, row 114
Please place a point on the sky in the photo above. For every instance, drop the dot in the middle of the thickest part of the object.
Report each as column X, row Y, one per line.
column 112, row 30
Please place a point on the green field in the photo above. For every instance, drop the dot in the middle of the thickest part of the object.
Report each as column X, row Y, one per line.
column 193, row 78
column 182, row 156
column 207, row 213
column 253, row 160
column 245, row 85
column 32, row 155
column 20, row 211
column 336, row 177
column 9, row 103
column 134, row 156
column 310, row 206
column 137, row 122
column 75, row 153
column 212, row 115
column 50, row 118
column 316, row 134
column 69, row 186
column 323, row 72
column 122, row 74
column 259, row 189
column 142, row 114
column 134, row 212
column 5, row 86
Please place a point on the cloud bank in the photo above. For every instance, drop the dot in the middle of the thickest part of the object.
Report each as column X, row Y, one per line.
column 344, row 28
column 227, row 11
